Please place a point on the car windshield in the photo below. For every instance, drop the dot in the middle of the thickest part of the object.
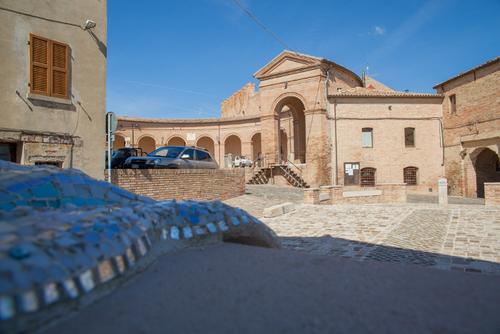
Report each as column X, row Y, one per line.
column 167, row 152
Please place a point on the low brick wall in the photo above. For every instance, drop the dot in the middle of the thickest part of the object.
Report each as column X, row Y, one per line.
column 492, row 193
column 381, row 193
column 182, row 184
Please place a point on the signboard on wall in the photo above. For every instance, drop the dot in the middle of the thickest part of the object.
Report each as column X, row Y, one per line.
column 191, row 136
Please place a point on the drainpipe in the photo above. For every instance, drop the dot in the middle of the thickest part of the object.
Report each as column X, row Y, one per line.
column 333, row 165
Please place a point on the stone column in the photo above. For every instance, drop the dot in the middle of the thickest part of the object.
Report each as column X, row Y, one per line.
column 246, row 149
column 443, row 191
column 317, row 149
column 269, row 138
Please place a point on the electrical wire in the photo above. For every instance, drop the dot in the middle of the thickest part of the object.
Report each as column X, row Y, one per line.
column 260, row 24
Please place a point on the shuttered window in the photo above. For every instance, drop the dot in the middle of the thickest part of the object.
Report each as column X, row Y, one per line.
column 49, row 67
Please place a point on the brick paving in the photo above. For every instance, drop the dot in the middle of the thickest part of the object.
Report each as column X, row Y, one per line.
column 464, row 238
column 459, row 237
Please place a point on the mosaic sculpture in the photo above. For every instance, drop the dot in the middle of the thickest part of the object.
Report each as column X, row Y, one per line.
column 64, row 235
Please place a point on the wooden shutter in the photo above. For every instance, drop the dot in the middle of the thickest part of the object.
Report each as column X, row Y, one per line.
column 49, row 67
column 59, row 70
column 39, row 73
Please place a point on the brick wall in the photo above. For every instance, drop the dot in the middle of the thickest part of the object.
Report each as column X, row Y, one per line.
column 182, row 184
column 381, row 193
column 474, row 124
column 492, row 193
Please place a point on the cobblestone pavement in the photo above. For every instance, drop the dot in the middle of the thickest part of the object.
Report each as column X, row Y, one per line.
column 464, row 238
column 259, row 197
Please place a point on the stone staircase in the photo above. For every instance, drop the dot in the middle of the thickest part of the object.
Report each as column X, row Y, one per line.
column 262, row 176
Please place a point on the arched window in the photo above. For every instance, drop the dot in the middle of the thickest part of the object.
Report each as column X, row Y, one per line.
column 368, row 177
column 410, row 175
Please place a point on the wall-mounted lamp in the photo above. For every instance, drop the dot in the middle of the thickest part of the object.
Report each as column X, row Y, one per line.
column 89, row 24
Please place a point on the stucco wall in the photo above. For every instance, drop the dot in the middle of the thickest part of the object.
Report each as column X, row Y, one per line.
column 83, row 118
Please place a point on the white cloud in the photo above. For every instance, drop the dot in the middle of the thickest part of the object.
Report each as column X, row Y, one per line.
column 377, row 30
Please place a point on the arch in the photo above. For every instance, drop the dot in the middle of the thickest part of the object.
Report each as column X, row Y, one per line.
column 410, row 175
column 487, row 168
column 119, row 142
column 368, row 176
column 207, row 143
column 281, row 100
column 295, row 104
column 147, row 143
column 232, row 145
column 176, row 141
column 256, row 148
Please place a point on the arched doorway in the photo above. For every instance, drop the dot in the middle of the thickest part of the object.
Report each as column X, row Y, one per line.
column 232, row 145
column 147, row 144
column 487, row 168
column 290, row 111
column 119, row 142
column 208, row 144
column 176, row 141
column 257, row 149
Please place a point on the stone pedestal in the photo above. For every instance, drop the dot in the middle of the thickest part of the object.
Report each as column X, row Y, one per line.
column 443, row 191
column 311, row 196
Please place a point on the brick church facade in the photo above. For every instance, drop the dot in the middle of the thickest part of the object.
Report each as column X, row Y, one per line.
column 330, row 124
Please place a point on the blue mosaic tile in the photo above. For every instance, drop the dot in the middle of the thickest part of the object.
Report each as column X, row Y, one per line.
column 174, row 233
column 187, row 232
column 62, row 233
column 211, row 228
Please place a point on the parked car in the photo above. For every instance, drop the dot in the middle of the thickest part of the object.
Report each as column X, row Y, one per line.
column 242, row 162
column 174, row 157
column 120, row 155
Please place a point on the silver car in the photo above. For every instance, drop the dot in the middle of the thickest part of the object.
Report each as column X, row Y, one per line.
column 174, row 157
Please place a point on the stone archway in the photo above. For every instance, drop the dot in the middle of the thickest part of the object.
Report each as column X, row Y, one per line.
column 147, row 144
column 232, row 145
column 208, row 144
column 487, row 168
column 290, row 112
column 119, row 142
column 176, row 141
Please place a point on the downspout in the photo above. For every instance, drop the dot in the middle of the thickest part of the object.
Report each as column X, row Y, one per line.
column 333, row 166
column 336, row 179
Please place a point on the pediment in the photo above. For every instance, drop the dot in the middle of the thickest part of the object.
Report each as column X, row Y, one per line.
column 285, row 62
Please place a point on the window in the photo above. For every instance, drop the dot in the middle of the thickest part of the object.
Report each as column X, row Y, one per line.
column 49, row 73
column 190, row 154
column 410, row 137
column 166, row 152
column 368, row 177
column 8, row 152
column 202, row 155
column 367, row 137
column 49, row 163
column 453, row 104
column 410, row 175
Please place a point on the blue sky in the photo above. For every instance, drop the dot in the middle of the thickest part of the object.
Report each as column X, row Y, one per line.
column 181, row 58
